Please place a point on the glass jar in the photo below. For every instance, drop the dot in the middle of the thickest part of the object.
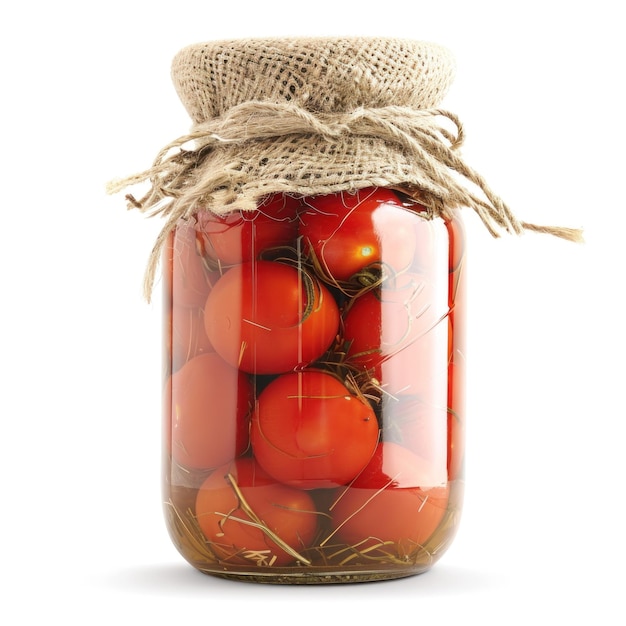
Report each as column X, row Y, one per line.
column 314, row 388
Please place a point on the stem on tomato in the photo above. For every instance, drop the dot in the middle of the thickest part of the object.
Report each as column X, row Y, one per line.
column 257, row 522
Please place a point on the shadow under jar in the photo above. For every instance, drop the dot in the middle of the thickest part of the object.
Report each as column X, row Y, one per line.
column 314, row 388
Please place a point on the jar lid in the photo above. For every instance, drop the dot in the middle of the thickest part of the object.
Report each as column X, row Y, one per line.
column 314, row 116
column 319, row 74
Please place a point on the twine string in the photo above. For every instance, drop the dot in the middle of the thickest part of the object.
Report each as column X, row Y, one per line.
column 193, row 172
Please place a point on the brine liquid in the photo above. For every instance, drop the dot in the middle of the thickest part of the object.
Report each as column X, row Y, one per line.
column 313, row 389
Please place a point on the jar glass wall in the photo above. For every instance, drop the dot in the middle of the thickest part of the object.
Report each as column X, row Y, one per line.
column 314, row 388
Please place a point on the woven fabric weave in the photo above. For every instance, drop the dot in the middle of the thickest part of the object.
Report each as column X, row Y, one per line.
column 315, row 116
column 322, row 75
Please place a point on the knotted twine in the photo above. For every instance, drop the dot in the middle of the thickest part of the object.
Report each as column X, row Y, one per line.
column 260, row 147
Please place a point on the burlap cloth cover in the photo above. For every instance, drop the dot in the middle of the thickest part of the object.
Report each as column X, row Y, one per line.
column 314, row 116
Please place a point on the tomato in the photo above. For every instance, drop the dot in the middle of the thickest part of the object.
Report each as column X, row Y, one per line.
column 208, row 411
column 242, row 235
column 419, row 425
column 309, row 431
column 245, row 531
column 267, row 317
column 384, row 321
column 188, row 282
column 187, row 277
column 430, row 246
column 395, row 498
column 188, row 337
column 398, row 333
column 348, row 232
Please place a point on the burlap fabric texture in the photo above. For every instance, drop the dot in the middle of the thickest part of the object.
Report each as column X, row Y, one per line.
column 314, row 116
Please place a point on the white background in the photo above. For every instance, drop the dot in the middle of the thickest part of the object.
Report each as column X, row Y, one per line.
column 86, row 97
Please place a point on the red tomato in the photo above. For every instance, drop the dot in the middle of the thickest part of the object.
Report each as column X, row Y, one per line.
column 309, row 431
column 236, row 530
column 208, row 409
column 187, row 335
column 187, row 277
column 243, row 235
column 267, row 317
column 420, row 426
column 397, row 333
column 430, row 246
column 384, row 321
column 395, row 498
column 347, row 232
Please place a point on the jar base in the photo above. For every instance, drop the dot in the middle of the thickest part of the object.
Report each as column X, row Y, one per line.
column 192, row 545
column 312, row 578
